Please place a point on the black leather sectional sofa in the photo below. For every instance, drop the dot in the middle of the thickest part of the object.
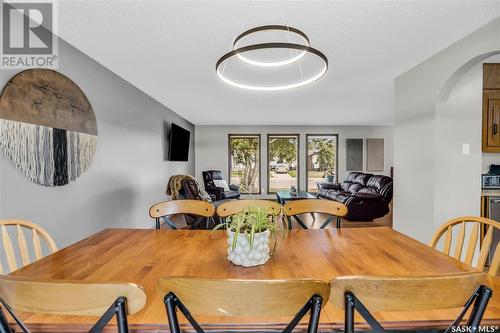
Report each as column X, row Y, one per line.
column 366, row 196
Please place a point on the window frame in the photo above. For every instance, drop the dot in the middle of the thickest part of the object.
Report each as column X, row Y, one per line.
column 336, row 155
column 258, row 136
column 268, row 169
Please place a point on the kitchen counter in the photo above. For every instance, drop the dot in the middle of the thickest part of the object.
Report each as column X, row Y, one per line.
column 490, row 193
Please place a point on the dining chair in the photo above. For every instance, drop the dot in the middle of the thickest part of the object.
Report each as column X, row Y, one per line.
column 236, row 298
column 378, row 293
column 20, row 226
column 162, row 210
column 478, row 225
column 64, row 297
column 334, row 209
column 235, row 206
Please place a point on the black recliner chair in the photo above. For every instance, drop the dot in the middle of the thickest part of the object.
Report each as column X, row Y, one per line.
column 219, row 192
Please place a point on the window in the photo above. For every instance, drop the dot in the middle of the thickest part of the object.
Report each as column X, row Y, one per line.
column 283, row 162
column 244, row 162
column 321, row 159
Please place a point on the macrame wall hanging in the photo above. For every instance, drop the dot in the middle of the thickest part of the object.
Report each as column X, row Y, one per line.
column 47, row 127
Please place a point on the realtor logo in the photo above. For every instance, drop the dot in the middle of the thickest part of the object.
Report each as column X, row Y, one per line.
column 28, row 34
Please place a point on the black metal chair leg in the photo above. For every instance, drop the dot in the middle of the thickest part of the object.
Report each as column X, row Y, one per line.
column 338, row 222
column 478, row 309
column 315, row 313
column 4, row 324
column 157, row 223
column 327, row 222
column 349, row 314
column 173, row 321
column 170, row 223
column 121, row 315
column 299, row 221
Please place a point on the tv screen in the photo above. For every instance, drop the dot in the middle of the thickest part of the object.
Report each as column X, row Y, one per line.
column 179, row 143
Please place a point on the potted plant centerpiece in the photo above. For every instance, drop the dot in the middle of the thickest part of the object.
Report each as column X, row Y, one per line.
column 252, row 235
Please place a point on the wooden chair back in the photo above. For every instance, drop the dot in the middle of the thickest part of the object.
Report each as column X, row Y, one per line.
column 37, row 232
column 171, row 207
column 478, row 224
column 66, row 297
column 302, row 206
column 235, row 206
column 226, row 297
column 380, row 293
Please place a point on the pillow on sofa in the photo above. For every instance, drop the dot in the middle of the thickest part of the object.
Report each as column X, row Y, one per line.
column 221, row 183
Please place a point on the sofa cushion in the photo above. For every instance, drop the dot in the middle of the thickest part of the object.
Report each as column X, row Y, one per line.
column 231, row 194
column 367, row 195
column 342, row 197
column 334, row 195
column 363, row 178
column 345, row 186
column 330, row 186
column 378, row 181
column 355, row 188
column 368, row 190
column 351, row 176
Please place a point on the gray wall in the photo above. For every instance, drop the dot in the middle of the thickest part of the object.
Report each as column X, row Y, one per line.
column 212, row 145
column 128, row 173
column 457, row 176
column 417, row 140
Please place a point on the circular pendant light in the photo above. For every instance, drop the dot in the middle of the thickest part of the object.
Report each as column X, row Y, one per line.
column 290, row 30
column 240, row 53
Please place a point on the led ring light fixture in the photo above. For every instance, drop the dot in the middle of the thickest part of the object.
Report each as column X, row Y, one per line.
column 240, row 51
column 290, row 30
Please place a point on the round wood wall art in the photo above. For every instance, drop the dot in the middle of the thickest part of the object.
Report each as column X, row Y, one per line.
column 47, row 127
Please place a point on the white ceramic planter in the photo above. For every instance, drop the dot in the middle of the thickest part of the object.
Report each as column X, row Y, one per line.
column 242, row 255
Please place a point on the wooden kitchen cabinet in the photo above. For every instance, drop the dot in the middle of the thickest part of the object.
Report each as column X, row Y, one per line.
column 491, row 108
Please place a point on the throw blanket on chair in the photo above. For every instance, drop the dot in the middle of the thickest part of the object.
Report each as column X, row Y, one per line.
column 175, row 184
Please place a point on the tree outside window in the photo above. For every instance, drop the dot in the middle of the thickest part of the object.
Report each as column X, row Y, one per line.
column 244, row 162
column 282, row 162
column 321, row 159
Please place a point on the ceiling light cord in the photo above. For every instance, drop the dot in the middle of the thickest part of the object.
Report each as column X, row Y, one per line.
column 290, row 40
column 239, row 25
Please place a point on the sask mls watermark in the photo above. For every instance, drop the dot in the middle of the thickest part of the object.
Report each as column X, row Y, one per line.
column 29, row 34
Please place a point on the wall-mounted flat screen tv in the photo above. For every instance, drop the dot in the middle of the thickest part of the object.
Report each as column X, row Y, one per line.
column 179, row 143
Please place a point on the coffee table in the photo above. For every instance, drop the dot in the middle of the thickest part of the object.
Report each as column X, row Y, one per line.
column 284, row 196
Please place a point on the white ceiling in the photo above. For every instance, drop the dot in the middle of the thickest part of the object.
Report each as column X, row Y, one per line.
column 168, row 49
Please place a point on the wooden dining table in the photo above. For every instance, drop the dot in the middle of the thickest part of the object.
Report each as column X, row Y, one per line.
column 145, row 256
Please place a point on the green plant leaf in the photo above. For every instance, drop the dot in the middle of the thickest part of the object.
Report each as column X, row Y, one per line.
column 252, row 220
